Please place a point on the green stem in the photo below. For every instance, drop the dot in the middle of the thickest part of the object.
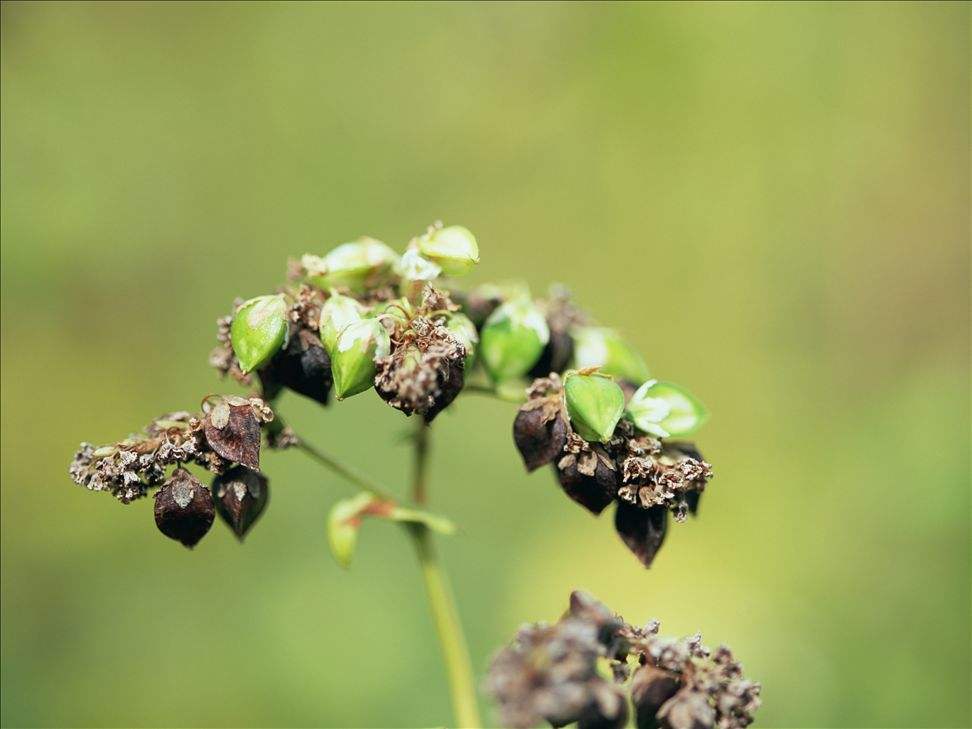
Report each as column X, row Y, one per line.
column 445, row 616
column 494, row 392
column 455, row 654
column 462, row 685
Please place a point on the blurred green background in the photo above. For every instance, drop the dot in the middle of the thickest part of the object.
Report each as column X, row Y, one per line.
column 771, row 201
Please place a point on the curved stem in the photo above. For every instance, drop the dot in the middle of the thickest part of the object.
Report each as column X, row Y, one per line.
column 455, row 653
column 343, row 470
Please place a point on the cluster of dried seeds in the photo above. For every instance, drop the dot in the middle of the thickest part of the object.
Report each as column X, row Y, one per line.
column 224, row 438
column 584, row 667
column 646, row 477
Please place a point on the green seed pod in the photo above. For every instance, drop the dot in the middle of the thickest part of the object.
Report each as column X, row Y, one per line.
column 665, row 410
column 461, row 327
column 259, row 330
column 595, row 404
column 353, row 356
column 358, row 266
column 513, row 339
column 336, row 313
column 453, row 249
column 603, row 348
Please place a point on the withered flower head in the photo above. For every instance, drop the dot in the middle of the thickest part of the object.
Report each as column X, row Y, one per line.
column 241, row 495
column 424, row 371
column 562, row 316
column 540, row 428
column 551, row 673
column 647, row 477
column 184, row 508
column 232, row 427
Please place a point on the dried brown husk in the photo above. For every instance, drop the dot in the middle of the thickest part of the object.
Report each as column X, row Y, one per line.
column 184, row 508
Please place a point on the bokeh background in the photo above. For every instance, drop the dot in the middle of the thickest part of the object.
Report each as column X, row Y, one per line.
column 771, row 201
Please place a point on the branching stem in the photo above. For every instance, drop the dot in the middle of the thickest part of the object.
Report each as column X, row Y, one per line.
column 455, row 654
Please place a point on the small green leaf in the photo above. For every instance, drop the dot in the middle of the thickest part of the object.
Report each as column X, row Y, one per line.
column 346, row 516
column 595, row 404
column 665, row 410
column 513, row 339
column 605, row 349
column 343, row 523
column 336, row 313
column 453, row 249
column 259, row 330
column 415, row 516
column 353, row 356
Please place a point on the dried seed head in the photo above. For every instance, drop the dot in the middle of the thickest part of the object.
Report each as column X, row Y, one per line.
column 562, row 316
column 651, row 687
column 550, row 673
column 540, row 428
column 184, row 508
column 424, row 371
column 232, row 427
column 302, row 366
column 642, row 530
column 687, row 710
column 241, row 496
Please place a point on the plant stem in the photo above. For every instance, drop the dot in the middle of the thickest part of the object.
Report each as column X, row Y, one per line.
column 497, row 393
column 341, row 469
column 455, row 653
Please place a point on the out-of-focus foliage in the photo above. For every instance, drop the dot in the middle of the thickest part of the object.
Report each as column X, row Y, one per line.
column 769, row 201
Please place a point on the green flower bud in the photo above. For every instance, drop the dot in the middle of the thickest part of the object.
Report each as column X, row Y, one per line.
column 359, row 265
column 665, row 410
column 259, row 330
column 454, row 249
column 595, row 404
column 603, row 348
column 353, row 356
column 513, row 339
column 336, row 313
column 461, row 327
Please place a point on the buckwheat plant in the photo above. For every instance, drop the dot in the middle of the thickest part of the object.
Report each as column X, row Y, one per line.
column 364, row 317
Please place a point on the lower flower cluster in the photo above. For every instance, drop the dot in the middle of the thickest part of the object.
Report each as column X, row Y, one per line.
column 224, row 439
column 585, row 668
column 648, row 478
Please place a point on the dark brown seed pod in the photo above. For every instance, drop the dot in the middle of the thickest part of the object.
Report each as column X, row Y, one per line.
column 650, row 688
column 241, row 495
column 609, row 710
column 302, row 366
column 184, row 508
column 557, row 353
column 539, row 438
column 233, row 430
column 593, row 492
column 687, row 710
column 642, row 530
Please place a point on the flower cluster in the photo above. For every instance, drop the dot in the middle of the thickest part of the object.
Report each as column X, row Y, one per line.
column 585, row 667
column 600, row 456
column 224, row 438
